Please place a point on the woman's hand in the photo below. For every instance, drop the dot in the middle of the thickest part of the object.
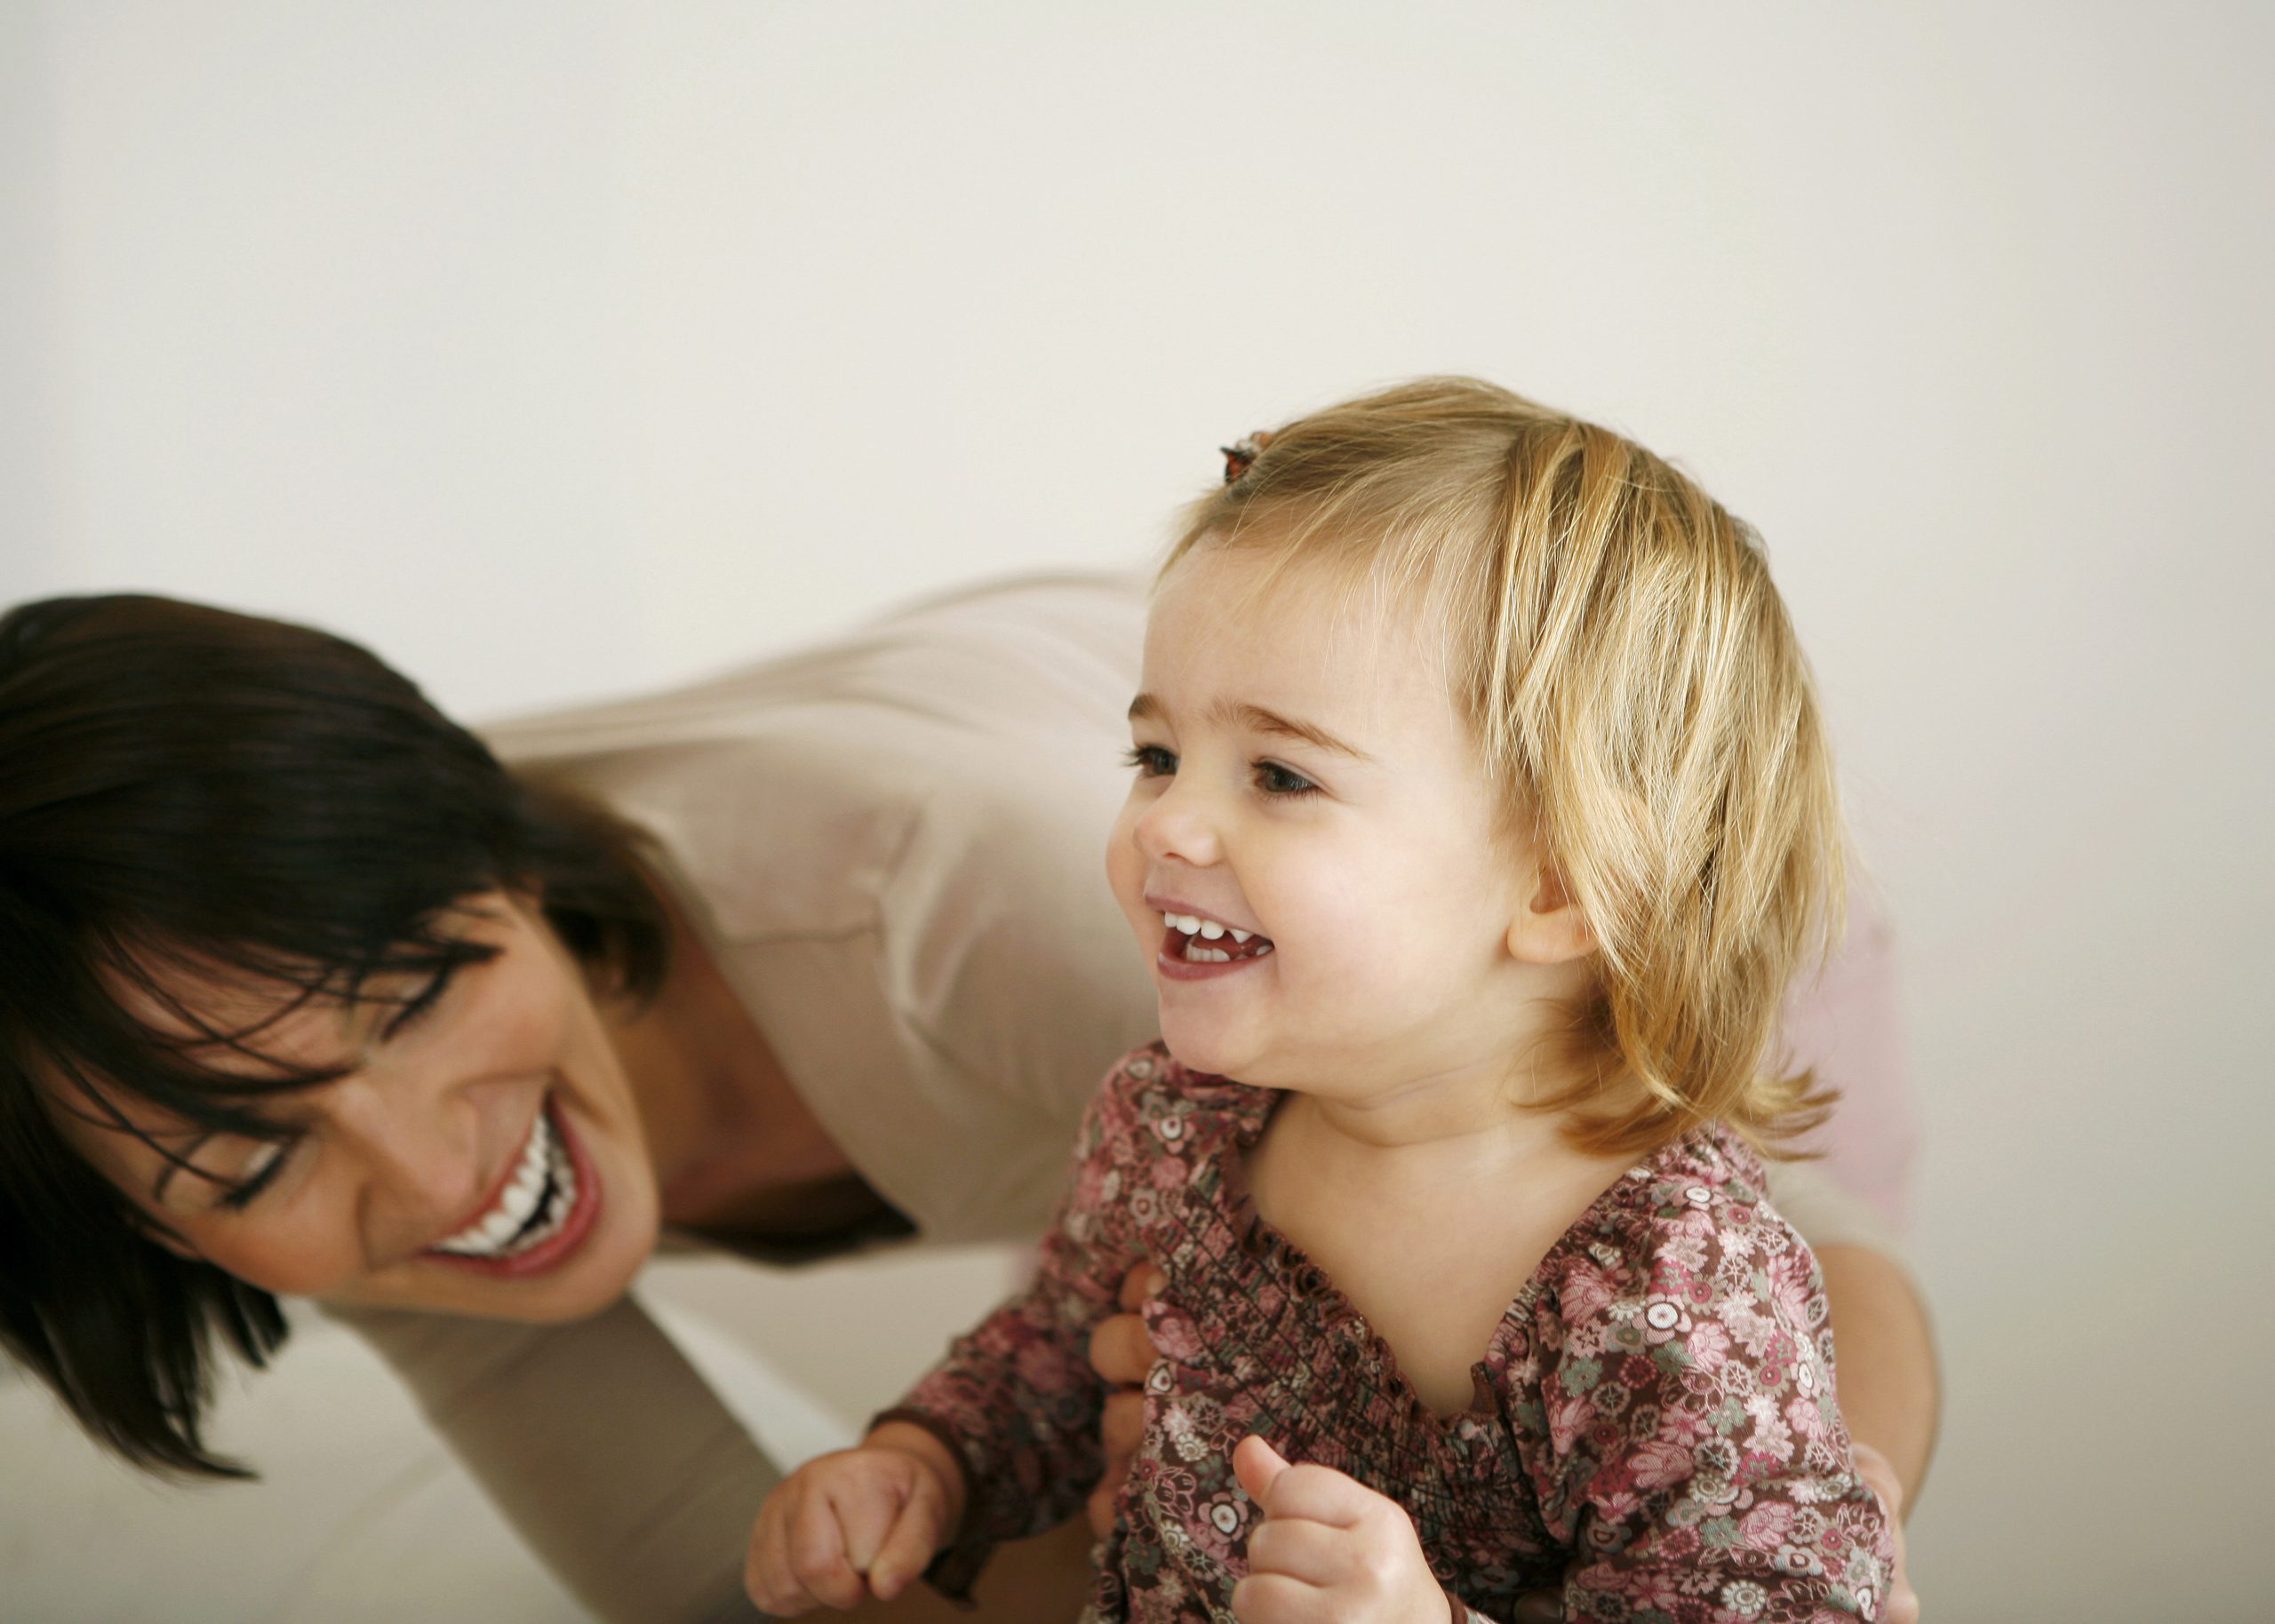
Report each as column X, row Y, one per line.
column 1880, row 1475
column 1122, row 1353
column 1330, row 1550
column 877, row 1513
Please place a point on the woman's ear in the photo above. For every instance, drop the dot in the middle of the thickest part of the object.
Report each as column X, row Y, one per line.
column 1550, row 929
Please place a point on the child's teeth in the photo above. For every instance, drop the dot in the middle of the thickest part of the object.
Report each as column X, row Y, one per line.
column 1241, row 935
column 1210, row 929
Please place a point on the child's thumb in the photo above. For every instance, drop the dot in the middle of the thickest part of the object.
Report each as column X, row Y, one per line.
column 907, row 1548
column 1257, row 1465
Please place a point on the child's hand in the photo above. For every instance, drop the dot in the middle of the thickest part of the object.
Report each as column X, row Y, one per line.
column 877, row 1512
column 1330, row 1550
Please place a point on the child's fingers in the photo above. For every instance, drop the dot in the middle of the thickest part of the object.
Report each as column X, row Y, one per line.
column 766, row 1574
column 816, row 1547
column 1317, row 1493
column 1274, row 1598
column 1295, row 1547
column 774, row 1589
column 907, row 1547
column 1257, row 1465
column 864, row 1511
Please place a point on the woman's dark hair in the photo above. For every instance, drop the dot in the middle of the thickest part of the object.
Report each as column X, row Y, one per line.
column 186, row 790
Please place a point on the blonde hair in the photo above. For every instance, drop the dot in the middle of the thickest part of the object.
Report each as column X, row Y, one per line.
column 1640, row 706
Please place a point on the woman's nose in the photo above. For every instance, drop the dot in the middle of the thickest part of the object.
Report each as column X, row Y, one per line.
column 417, row 1156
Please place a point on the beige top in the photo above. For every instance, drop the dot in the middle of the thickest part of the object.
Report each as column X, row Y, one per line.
column 894, row 844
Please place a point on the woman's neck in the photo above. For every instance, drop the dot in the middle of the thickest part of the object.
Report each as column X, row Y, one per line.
column 724, row 1123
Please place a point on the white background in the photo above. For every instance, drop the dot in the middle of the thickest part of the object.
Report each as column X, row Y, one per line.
column 556, row 348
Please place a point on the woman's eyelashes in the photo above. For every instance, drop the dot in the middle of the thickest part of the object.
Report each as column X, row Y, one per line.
column 1275, row 781
column 420, row 1003
column 266, row 1163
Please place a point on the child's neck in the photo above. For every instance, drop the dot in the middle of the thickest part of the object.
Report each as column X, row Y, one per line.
column 1429, row 1208
column 1445, row 1128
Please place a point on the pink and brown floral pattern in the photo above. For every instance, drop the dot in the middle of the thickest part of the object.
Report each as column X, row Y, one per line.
column 1654, row 1429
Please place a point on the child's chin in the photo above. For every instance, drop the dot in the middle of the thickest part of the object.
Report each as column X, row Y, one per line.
column 1204, row 1051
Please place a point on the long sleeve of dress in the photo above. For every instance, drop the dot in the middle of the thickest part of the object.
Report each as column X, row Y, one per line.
column 1016, row 1398
column 609, row 1453
column 1845, row 1026
column 1697, row 1463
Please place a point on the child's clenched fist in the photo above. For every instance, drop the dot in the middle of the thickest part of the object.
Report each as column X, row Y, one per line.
column 1330, row 1550
column 858, row 1523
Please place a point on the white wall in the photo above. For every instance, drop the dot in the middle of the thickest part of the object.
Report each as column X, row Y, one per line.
column 557, row 347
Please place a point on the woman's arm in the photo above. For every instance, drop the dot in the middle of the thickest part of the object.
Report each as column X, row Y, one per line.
column 1887, row 1373
column 601, row 1443
column 1845, row 1026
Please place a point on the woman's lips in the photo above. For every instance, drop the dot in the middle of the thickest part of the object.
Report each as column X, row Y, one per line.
column 575, row 1226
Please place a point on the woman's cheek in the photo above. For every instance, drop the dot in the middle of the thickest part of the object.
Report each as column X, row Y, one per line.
column 313, row 1259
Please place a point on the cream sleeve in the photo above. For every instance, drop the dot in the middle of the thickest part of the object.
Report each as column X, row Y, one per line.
column 1829, row 1215
column 604, row 1448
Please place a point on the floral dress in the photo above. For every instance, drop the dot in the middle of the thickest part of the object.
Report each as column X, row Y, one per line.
column 1653, row 1428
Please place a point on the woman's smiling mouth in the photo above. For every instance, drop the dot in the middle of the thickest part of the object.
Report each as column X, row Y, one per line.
column 541, row 1212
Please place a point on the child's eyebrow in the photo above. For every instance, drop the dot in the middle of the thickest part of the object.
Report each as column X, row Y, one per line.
column 1261, row 720
column 1239, row 714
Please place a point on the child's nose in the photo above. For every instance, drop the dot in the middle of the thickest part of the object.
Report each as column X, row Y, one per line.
column 1179, row 828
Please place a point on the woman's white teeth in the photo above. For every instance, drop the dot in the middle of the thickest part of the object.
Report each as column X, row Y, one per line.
column 1210, row 929
column 524, row 1214
column 1240, row 935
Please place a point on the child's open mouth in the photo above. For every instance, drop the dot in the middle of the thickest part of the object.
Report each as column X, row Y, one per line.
column 1195, row 940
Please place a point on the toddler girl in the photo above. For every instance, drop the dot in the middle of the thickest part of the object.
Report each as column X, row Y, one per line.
column 1481, row 815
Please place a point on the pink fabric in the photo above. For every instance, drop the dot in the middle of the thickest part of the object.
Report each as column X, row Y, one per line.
column 1654, row 1427
column 1846, row 1026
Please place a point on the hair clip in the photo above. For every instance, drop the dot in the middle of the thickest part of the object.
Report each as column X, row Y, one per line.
column 1242, row 454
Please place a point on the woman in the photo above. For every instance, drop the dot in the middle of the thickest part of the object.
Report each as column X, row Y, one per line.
column 301, row 992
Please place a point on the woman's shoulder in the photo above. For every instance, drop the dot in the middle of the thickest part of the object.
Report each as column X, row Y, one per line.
column 1014, row 656
column 898, row 776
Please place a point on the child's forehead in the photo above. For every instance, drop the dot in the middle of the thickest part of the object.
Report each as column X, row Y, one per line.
column 1236, row 624
column 1351, row 618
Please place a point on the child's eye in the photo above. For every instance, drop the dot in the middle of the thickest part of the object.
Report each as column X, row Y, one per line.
column 1274, row 779
column 1152, row 761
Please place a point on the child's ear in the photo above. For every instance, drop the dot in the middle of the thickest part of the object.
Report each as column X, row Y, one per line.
column 1549, row 928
